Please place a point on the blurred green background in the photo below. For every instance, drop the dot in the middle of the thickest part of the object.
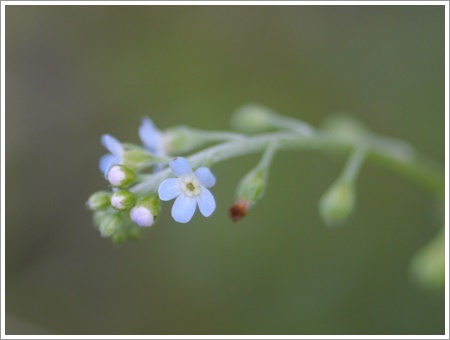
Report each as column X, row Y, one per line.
column 76, row 72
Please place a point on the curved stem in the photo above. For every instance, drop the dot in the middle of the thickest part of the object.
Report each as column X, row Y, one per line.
column 353, row 165
column 214, row 136
column 268, row 154
column 393, row 154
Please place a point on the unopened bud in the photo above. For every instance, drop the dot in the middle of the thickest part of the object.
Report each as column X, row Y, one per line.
column 133, row 232
column 249, row 191
column 99, row 200
column 337, row 203
column 123, row 200
column 142, row 216
column 428, row 264
column 109, row 224
column 238, row 210
column 118, row 237
column 120, row 176
column 252, row 118
column 346, row 127
column 146, row 211
column 136, row 157
column 181, row 139
column 252, row 186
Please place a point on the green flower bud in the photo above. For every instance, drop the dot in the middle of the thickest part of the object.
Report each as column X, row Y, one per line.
column 252, row 186
column 146, row 211
column 110, row 224
column 250, row 189
column 99, row 215
column 181, row 139
column 120, row 176
column 99, row 200
column 133, row 232
column 123, row 200
column 252, row 118
column 428, row 265
column 136, row 157
column 346, row 127
column 337, row 203
column 118, row 237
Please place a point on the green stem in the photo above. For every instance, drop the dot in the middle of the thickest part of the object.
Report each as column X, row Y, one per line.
column 217, row 136
column 267, row 157
column 353, row 165
column 395, row 155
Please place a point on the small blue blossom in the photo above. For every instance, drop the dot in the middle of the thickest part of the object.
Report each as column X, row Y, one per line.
column 190, row 188
column 151, row 137
column 114, row 157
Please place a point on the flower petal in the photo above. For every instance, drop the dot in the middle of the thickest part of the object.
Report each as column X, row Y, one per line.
column 169, row 189
column 184, row 208
column 206, row 202
column 205, row 176
column 106, row 162
column 113, row 145
column 180, row 166
column 150, row 136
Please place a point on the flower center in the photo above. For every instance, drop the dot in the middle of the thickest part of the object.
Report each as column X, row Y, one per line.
column 190, row 185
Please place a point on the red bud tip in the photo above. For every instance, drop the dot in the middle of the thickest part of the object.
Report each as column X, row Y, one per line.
column 238, row 210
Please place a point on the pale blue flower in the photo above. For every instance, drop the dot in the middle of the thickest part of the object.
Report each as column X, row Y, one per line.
column 190, row 188
column 114, row 157
column 151, row 137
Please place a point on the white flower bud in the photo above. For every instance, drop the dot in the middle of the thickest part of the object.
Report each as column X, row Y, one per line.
column 146, row 210
column 120, row 176
column 123, row 200
column 142, row 216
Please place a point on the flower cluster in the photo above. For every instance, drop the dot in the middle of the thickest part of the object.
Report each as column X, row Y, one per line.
column 121, row 213
column 135, row 198
column 133, row 202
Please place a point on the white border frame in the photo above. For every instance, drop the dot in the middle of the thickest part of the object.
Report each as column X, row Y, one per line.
column 226, row 3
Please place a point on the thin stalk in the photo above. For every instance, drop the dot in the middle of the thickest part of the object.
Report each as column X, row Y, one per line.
column 353, row 165
column 267, row 157
column 397, row 156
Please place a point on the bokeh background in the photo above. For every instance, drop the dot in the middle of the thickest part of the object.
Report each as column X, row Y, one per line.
column 76, row 72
